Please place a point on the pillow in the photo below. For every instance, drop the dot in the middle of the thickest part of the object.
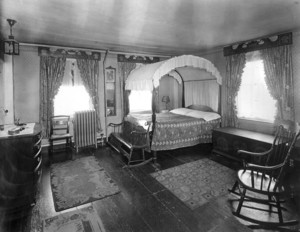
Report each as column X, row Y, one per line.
column 141, row 112
column 181, row 111
column 207, row 116
column 201, row 108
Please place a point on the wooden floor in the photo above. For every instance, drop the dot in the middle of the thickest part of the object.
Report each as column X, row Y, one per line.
column 144, row 204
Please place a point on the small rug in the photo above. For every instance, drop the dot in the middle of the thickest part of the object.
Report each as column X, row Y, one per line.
column 198, row 182
column 78, row 182
column 80, row 220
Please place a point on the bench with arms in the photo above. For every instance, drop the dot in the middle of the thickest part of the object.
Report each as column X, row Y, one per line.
column 131, row 143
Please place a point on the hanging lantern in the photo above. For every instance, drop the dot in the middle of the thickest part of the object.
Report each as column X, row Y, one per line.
column 11, row 46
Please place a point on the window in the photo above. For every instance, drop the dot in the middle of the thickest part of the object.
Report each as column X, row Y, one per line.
column 72, row 95
column 71, row 99
column 254, row 101
column 140, row 101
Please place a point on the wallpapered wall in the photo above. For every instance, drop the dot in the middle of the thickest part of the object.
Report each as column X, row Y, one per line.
column 26, row 85
column 26, row 82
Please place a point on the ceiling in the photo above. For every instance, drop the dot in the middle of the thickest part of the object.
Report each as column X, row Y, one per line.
column 170, row 27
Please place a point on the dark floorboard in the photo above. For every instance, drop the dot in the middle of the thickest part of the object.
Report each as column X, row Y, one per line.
column 143, row 203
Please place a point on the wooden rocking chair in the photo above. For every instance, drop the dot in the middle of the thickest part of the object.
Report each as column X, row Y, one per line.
column 262, row 183
column 128, row 142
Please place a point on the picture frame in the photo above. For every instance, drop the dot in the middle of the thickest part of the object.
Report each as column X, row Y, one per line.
column 110, row 74
column 110, row 79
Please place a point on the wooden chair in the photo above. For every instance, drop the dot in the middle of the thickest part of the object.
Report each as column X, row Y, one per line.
column 262, row 184
column 60, row 131
column 128, row 142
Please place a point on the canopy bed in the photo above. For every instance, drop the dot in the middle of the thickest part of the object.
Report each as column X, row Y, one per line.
column 199, row 109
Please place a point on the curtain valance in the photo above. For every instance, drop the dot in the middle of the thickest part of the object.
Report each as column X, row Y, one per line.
column 258, row 44
column 137, row 59
column 73, row 54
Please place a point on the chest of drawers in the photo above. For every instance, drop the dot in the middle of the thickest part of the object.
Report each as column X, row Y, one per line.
column 20, row 171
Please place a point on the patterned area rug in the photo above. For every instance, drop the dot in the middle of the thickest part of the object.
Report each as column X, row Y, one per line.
column 78, row 182
column 80, row 220
column 197, row 182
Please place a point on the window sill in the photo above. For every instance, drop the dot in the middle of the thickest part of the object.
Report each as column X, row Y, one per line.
column 257, row 126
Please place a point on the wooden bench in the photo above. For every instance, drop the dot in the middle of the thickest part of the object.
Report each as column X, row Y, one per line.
column 130, row 143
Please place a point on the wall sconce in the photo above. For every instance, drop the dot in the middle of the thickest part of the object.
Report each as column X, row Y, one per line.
column 166, row 99
column 11, row 46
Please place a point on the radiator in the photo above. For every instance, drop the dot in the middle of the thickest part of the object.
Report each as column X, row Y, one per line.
column 85, row 129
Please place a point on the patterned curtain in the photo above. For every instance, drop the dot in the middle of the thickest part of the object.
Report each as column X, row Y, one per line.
column 234, row 69
column 125, row 68
column 51, row 77
column 89, row 72
column 279, row 79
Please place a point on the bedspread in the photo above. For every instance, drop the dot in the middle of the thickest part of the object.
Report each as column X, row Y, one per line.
column 174, row 131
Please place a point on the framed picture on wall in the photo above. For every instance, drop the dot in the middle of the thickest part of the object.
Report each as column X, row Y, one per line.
column 110, row 74
column 110, row 77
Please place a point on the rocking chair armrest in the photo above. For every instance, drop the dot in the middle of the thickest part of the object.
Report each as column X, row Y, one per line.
column 245, row 153
column 255, row 167
column 138, row 132
column 115, row 124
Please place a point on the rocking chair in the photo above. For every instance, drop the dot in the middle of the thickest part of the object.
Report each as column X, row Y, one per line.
column 262, row 184
column 127, row 142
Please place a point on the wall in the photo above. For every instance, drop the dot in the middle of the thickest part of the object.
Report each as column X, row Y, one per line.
column 2, row 115
column 26, row 85
column 8, row 83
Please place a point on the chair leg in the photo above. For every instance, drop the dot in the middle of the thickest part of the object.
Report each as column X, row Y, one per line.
column 129, row 157
column 270, row 204
column 243, row 194
column 69, row 142
column 278, row 209
column 143, row 154
column 234, row 187
column 50, row 151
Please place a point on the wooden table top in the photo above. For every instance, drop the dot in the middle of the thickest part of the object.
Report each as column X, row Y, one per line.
column 31, row 129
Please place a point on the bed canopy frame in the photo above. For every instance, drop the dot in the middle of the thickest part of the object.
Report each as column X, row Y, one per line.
column 147, row 77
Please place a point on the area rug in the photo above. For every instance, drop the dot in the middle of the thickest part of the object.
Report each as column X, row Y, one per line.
column 198, row 182
column 78, row 182
column 79, row 220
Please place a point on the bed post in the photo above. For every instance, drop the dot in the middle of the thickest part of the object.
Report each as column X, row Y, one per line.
column 154, row 109
column 182, row 81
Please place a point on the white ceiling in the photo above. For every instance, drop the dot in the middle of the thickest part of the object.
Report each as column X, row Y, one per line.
column 170, row 27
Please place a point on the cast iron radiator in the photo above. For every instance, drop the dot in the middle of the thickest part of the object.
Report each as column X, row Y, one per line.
column 85, row 129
